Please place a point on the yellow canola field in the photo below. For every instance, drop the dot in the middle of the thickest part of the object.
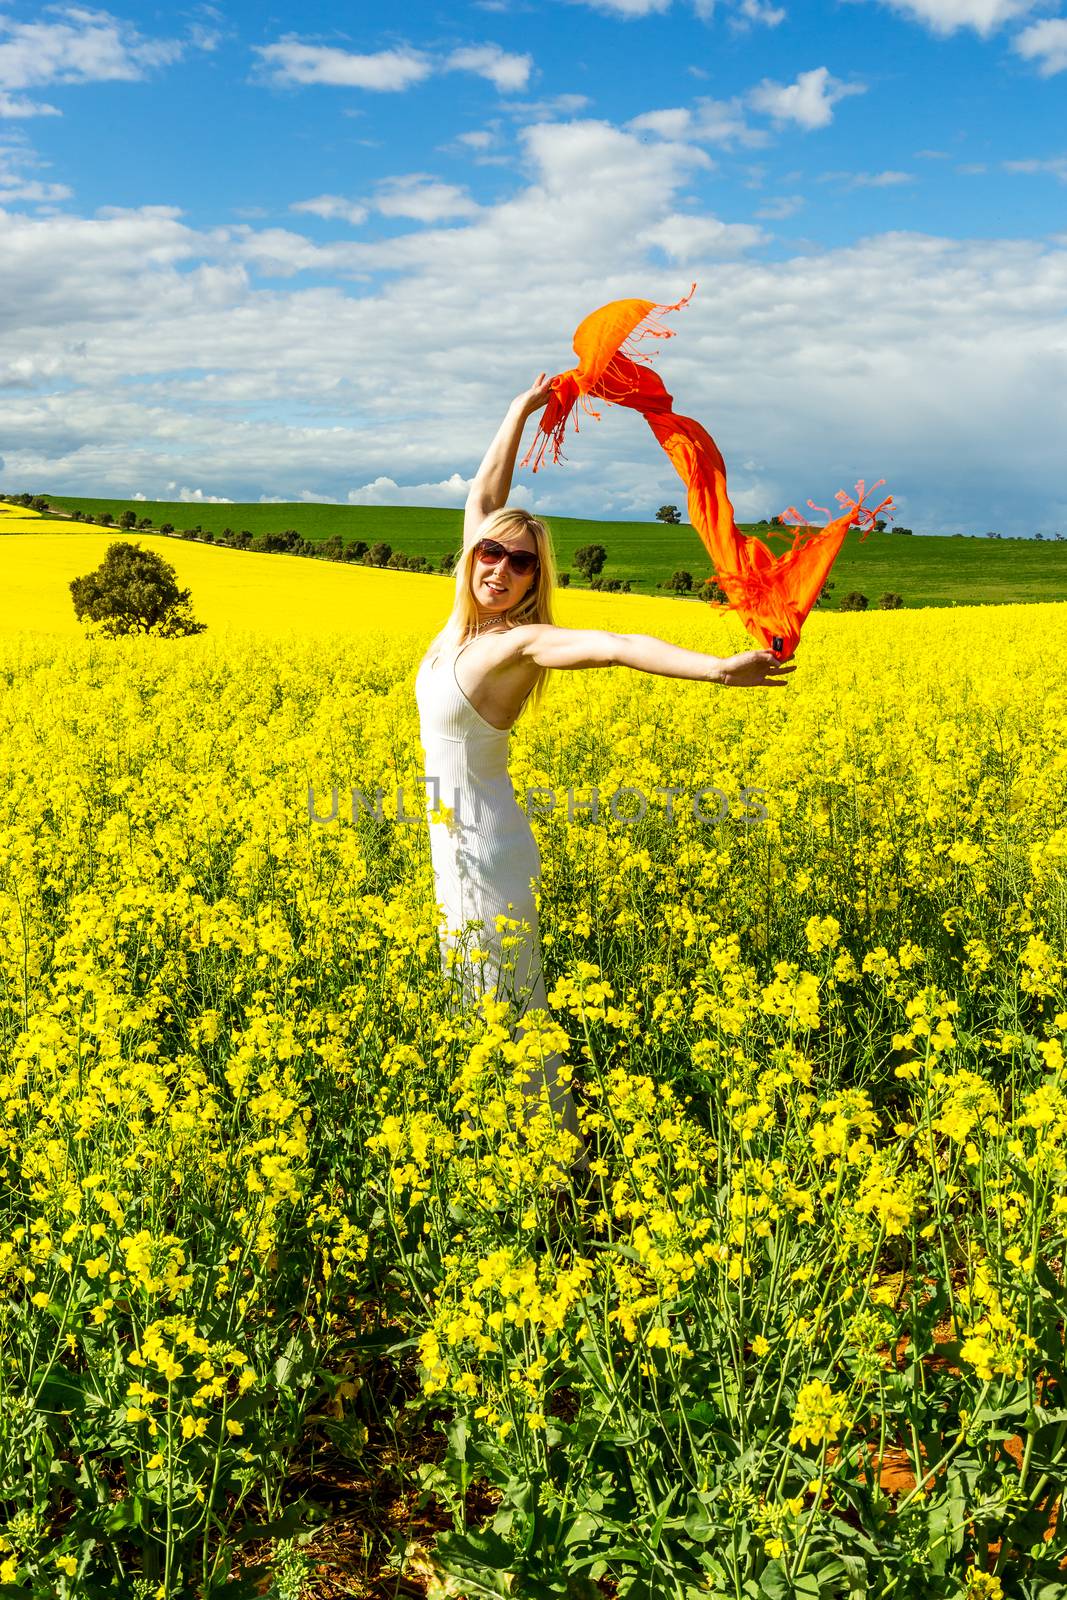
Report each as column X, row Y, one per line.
column 819, row 1060
column 20, row 519
column 276, row 595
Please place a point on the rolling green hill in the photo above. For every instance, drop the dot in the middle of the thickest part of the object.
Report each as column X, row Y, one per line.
column 925, row 571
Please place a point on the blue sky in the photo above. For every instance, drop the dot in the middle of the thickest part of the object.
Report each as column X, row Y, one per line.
column 296, row 255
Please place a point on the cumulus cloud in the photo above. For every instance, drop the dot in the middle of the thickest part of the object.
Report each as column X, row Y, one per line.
column 508, row 73
column 386, row 491
column 1054, row 166
column 290, row 61
column 1046, row 44
column 15, row 185
column 192, row 496
column 13, row 105
column 80, row 47
column 777, row 210
column 939, row 364
column 416, row 196
column 719, row 122
column 694, row 238
column 334, row 207
column 808, row 101
column 947, row 16
column 760, row 12
column 423, row 199
column 867, row 180
column 742, row 14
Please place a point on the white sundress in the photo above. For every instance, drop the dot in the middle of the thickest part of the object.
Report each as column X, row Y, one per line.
column 484, row 857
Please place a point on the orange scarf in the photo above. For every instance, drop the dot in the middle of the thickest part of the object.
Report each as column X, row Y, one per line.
column 771, row 594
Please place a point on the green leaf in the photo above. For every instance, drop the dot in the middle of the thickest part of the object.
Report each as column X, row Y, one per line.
column 774, row 1581
column 127, row 1513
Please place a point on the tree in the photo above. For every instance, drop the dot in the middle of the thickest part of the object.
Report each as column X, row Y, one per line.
column 106, row 518
column 824, row 594
column 590, row 559
column 564, row 580
column 145, row 522
column 134, row 591
column 890, row 602
column 680, row 582
column 668, row 514
column 902, row 530
column 166, row 527
column 854, row 601
column 379, row 554
column 712, row 590
column 128, row 519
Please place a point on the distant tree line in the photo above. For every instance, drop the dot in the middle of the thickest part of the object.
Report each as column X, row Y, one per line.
column 289, row 542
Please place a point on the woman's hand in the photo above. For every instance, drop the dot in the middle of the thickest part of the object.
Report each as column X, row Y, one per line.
column 755, row 669
column 535, row 397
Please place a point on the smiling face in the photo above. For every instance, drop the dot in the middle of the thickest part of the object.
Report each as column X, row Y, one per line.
column 495, row 586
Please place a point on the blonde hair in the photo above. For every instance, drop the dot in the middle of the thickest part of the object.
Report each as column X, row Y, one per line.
column 536, row 603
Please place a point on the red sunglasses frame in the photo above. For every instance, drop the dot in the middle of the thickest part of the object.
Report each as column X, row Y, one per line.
column 481, row 554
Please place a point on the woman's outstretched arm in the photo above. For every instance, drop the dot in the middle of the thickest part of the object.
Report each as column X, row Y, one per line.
column 569, row 648
column 491, row 484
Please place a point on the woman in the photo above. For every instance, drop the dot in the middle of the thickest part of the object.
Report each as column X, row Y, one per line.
column 492, row 656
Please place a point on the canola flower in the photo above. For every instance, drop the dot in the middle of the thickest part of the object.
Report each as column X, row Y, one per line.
column 819, row 1062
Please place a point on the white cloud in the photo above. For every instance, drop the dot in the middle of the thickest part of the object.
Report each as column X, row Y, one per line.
column 1046, row 43
column 386, row 491
column 705, row 122
column 293, row 62
column 785, row 205
column 867, row 180
column 14, row 185
column 742, row 14
column 506, row 72
column 631, row 8
column 1055, row 166
column 476, row 139
column 689, row 238
column 809, row 101
column 557, row 105
column 423, row 199
column 12, row 105
column 334, row 207
column 11, row 190
column 947, row 16
column 673, row 123
column 936, row 363
column 758, row 11
column 196, row 497
column 89, row 47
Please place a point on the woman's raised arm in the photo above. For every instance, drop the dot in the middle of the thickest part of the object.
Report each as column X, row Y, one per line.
column 491, row 484
column 569, row 648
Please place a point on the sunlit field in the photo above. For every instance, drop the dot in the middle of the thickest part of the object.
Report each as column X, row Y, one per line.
column 294, row 1302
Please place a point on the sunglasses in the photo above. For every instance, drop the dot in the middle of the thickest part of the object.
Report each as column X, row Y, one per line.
column 520, row 561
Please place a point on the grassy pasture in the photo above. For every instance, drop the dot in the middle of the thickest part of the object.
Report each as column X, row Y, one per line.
column 926, row 571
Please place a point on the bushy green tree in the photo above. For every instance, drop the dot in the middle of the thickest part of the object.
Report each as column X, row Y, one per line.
column 854, row 601
column 133, row 591
column 668, row 514
column 590, row 559
column 681, row 582
column 890, row 602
